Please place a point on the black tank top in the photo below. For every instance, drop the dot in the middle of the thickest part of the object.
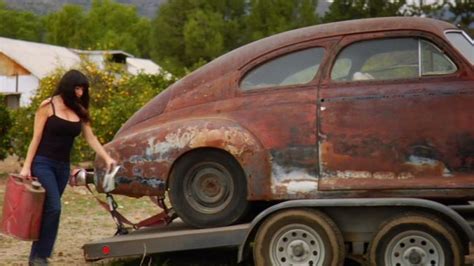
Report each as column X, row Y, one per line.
column 58, row 137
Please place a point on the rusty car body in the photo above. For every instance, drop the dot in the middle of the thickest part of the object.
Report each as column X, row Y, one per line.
column 367, row 108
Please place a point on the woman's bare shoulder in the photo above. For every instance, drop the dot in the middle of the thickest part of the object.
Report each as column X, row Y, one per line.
column 44, row 106
column 45, row 102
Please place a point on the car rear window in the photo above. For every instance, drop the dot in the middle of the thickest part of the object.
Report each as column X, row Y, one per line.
column 463, row 43
column 299, row 67
column 391, row 59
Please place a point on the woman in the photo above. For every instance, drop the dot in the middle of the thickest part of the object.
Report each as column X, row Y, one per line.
column 58, row 121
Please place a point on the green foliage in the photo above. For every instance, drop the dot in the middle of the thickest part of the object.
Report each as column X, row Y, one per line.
column 203, row 36
column 357, row 9
column 5, row 124
column 186, row 34
column 108, row 25
column 19, row 24
column 189, row 33
column 115, row 96
column 268, row 17
column 65, row 27
column 458, row 12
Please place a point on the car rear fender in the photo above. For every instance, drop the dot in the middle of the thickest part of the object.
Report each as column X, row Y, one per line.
column 148, row 155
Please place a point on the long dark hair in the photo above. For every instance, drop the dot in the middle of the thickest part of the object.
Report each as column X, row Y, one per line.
column 66, row 89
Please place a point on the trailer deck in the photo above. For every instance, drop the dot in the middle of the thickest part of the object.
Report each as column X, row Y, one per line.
column 178, row 236
column 175, row 237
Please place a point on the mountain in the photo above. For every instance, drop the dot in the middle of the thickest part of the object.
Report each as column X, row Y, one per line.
column 145, row 7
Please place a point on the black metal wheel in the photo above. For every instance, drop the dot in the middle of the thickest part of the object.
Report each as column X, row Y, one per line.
column 299, row 237
column 208, row 188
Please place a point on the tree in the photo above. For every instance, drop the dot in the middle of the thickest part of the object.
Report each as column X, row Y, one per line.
column 268, row 17
column 458, row 12
column 65, row 27
column 463, row 14
column 203, row 37
column 356, row 9
column 168, row 35
column 108, row 25
column 5, row 124
column 19, row 25
column 189, row 33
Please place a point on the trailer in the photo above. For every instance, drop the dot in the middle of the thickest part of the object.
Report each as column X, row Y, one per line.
column 288, row 234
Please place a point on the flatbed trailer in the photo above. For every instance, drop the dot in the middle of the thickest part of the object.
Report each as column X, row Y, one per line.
column 177, row 236
column 357, row 232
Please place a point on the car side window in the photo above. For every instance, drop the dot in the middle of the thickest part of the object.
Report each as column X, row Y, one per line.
column 298, row 67
column 389, row 59
column 434, row 61
column 463, row 43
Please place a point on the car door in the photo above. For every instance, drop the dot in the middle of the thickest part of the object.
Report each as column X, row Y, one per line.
column 396, row 113
column 278, row 102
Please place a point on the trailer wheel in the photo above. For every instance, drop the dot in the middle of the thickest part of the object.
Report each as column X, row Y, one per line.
column 208, row 189
column 416, row 239
column 299, row 237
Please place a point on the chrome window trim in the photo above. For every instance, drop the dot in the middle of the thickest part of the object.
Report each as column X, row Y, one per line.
column 468, row 38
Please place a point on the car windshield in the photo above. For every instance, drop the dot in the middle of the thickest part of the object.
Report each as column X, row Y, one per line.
column 463, row 43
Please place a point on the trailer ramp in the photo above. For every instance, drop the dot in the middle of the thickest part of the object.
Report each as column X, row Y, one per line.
column 175, row 237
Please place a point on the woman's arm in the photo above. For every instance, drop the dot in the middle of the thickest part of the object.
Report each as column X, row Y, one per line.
column 40, row 120
column 96, row 146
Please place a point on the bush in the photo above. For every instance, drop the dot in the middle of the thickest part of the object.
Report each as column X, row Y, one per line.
column 114, row 96
column 5, row 124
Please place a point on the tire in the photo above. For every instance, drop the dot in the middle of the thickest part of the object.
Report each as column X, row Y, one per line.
column 416, row 239
column 299, row 237
column 208, row 189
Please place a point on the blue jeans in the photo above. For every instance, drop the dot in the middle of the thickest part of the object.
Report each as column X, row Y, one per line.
column 53, row 175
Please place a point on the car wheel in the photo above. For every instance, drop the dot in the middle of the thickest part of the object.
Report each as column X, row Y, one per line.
column 299, row 237
column 208, row 188
column 415, row 239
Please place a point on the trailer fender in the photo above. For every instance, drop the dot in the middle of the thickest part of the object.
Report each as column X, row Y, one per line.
column 428, row 205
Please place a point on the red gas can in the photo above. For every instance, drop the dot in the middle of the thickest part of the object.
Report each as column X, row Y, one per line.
column 22, row 207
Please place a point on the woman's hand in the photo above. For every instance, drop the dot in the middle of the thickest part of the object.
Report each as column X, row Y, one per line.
column 110, row 163
column 25, row 171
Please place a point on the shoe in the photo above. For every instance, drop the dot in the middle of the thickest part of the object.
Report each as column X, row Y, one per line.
column 38, row 262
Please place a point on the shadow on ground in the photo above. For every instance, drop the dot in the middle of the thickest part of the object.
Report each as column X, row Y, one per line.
column 207, row 257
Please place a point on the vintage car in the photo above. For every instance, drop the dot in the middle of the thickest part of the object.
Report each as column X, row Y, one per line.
column 366, row 108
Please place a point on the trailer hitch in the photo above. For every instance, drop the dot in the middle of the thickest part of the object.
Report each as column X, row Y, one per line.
column 83, row 177
column 163, row 218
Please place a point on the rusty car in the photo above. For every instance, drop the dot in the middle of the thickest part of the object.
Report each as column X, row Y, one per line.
column 356, row 109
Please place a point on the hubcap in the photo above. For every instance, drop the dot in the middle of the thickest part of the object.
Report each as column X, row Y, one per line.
column 208, row 187
column 414, row 248
column 297, row 244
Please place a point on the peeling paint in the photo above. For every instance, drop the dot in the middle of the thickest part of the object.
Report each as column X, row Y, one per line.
column 279, row 174
column 421, row 163
column 194, row 137
column 349, row 174
column 353, row 174
column 292, row 181
column 295, row 187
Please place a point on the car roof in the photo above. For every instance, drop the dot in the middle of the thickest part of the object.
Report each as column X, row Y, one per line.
column 240, row 56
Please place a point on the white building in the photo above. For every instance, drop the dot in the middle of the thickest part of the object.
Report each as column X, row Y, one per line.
column 23, row 64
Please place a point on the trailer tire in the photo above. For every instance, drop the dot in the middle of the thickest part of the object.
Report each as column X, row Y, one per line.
column 208, row 189
column 299, row 237
column 416, row 238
